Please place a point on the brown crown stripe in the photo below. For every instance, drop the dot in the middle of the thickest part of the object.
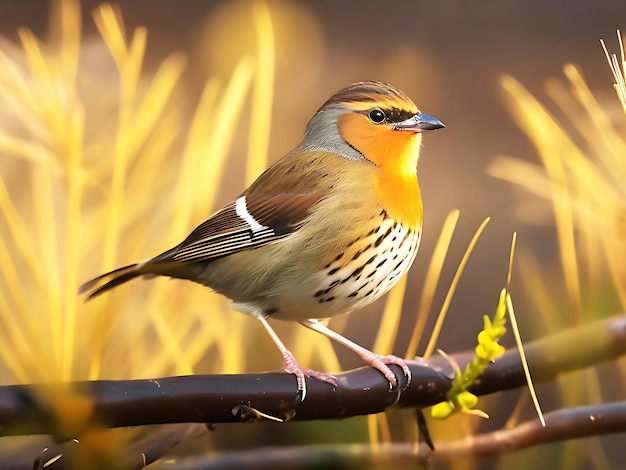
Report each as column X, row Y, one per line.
column 367, row 92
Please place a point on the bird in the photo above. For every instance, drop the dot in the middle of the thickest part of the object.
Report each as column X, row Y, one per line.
column 325, row 230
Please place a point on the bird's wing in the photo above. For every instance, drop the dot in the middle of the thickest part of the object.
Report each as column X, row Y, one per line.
column 252, row 221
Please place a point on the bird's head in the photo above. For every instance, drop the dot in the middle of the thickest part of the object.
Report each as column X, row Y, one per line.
column 371, row 120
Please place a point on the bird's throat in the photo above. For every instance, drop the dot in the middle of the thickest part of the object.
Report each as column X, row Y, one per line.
column 401, row 198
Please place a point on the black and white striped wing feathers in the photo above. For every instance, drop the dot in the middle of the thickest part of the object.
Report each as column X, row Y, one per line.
column 250, row 222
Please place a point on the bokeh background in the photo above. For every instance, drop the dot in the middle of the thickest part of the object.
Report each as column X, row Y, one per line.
column 450, row 57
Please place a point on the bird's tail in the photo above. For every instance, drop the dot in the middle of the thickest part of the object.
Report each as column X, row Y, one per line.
column 111, row 279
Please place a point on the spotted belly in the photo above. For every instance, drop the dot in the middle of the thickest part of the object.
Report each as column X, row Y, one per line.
column 369, row 266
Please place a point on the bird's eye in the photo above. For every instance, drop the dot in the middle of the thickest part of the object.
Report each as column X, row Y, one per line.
column 377, row 116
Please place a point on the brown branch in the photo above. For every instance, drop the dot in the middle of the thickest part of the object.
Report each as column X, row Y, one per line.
column 27, row 409
column 560, row 425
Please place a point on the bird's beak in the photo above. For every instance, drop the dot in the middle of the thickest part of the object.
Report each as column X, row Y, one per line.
column 419, row 123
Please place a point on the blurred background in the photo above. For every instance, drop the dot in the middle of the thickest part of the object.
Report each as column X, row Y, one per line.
column 449, row 57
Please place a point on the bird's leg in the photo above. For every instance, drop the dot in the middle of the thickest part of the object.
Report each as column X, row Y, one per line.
column 291, row 365
column 375, row 360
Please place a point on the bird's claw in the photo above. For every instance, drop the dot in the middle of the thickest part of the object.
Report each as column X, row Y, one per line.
column 291, row 365
column 381, row 363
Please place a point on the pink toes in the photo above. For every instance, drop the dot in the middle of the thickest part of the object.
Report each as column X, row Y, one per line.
column 291, row 365
column 380, row 363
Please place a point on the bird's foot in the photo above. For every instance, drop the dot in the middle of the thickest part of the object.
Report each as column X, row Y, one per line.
column 291, row 365
column 380, row 363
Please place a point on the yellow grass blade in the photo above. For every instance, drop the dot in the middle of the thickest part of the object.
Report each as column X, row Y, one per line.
column 390, row 320
column 66, row 24
column 545, row 132
column 432, row 280
column 262, row 93
column 618, row 68
column 197, row 149
column 520, row 347
column 446, row 304
column 373, row 431
column 511, row 257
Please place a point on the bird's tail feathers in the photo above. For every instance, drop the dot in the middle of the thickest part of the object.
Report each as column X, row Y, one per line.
column 116, row 277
